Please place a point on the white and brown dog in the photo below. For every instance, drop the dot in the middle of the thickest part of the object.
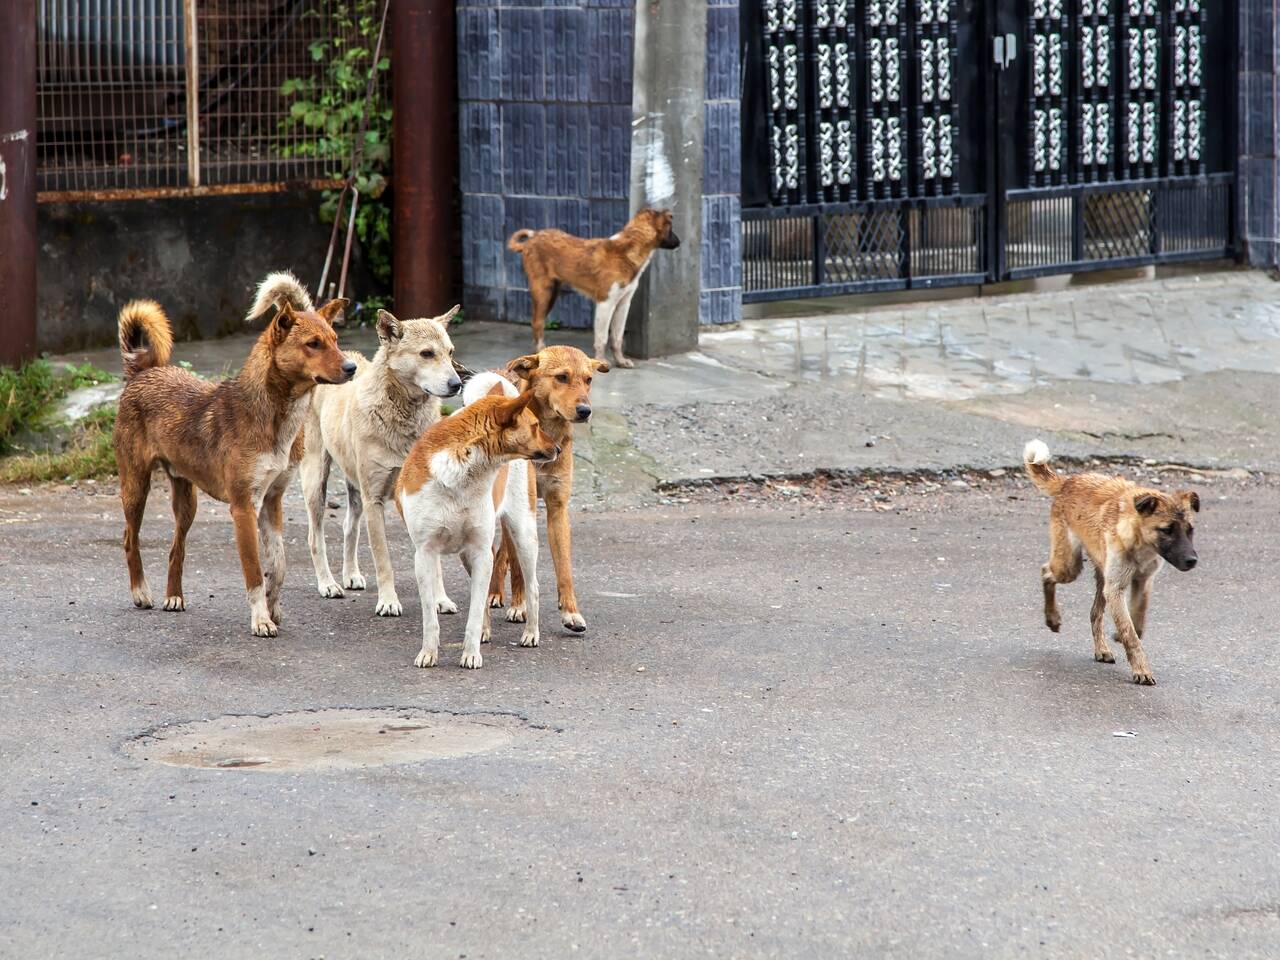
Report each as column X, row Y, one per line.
column 367, row 427
column 446, row 495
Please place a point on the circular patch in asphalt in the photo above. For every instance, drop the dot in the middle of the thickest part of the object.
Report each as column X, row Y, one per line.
column 337, row 739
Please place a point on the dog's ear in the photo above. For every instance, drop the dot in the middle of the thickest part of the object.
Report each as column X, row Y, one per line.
column 600, row 366
column 523, row 367
column 388, row 326
column 512, row 409
column 447, row 318
column 1146, row 503
column 1189, row 499
column 283, row 321
column 335, row 311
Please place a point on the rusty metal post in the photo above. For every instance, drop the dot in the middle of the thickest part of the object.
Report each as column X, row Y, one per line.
column 191, row 36
column 424, row 156
column 17, row 181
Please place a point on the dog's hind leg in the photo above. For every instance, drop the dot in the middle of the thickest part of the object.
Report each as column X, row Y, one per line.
column 1065, row 563
column 315, row 484
column 544, row 299
column 1097, row 616
column 618, row 326
column 604, row 315
column 501, row 564
column 510, row 559
column 134, row 487
column 523, row 530
column 351, row 577
column 183, row 495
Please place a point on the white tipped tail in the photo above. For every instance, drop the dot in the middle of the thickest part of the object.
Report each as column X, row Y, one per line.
column 1036, row 451
column 277, row 289
column 1035, row 459
column 482, row 384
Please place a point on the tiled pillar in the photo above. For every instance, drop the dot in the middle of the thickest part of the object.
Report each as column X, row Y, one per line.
column 1259, row 171
column 544, row 93
column 720, row 300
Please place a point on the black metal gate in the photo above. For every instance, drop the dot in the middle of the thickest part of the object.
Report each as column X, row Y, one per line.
column 915, row 143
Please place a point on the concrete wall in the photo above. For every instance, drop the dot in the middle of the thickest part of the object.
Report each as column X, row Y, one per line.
column 201, row 258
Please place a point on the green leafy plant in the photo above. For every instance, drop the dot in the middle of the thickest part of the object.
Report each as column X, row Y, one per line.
column 328, row 106
column 90, row 454
column 28, row 394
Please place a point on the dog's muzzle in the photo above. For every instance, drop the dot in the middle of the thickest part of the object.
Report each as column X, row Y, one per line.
column 584, row 413
column 348, row 370
column 670, row 241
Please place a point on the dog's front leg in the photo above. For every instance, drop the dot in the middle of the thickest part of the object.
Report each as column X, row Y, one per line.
column 478, row 559
column 524, row 536
column 560, row 540
column 1115, row 590
column 618, row 326
column 245, row 519
column 271, row 544
column 1097, row 620
column 1139, row 599
column 425, row 564
column 376, row 520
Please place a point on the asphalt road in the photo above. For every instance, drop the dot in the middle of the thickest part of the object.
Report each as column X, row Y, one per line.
column 794, row 729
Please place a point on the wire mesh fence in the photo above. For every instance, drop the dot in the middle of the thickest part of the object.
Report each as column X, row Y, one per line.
column 154, row 97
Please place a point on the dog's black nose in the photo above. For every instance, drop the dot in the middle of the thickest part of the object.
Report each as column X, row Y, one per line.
column 454, row 385
column 584, row 412
column 1190, row 562
column 349, row 369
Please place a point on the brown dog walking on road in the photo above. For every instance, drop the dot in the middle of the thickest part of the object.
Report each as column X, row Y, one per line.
column 239, row 440
column 606, row 271
column 560, row 380
column 1126, row 530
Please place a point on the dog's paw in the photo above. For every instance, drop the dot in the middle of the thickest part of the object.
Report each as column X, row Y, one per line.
column 265, row 627
column 389, row 607
column 330, row 590
column 445, row 605
column 486, row 632
column 1144, row 679
column 353, row 581
column 516, row 613
column 573, row 621
column 175, row 604
column 471, row 661
column 426, row 658
column 141, row 597
column 1053, row 621
column 495, row 600
column 625, row 362
column 1104, row 656
column 529, row 638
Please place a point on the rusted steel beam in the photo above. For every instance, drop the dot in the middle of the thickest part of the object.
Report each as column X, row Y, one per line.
column 17, row 181
column 161, row 193
column 424, row 156
column 191, row 36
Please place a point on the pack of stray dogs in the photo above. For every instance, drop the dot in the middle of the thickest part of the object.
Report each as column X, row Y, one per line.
column 468, row 484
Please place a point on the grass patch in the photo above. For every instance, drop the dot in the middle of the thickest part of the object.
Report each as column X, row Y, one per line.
column 28, row 394
column 90, row 454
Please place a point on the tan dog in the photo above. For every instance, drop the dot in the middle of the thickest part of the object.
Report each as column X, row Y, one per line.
column 1126, row 530
column 367, row 427
column 606, row 271
column 237, row 440
column 560, row 379
column 445, row 494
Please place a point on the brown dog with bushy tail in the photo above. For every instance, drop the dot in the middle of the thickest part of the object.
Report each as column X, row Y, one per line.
column 238, row 441
column 1126, row 530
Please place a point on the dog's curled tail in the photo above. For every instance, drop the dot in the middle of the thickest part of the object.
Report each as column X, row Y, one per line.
column 1035, row 458
column 519, row 239
column 482, row 384
column 146, row 339
column 278, row 288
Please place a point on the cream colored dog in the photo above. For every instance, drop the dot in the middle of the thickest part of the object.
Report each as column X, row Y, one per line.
column 367, row 427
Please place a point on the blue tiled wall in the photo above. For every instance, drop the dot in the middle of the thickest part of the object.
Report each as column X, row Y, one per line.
column 545, row 140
